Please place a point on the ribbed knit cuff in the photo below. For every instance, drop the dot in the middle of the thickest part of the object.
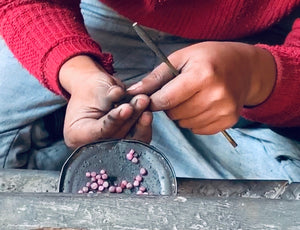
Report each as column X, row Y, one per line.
column 65, row 50
column 279, row 107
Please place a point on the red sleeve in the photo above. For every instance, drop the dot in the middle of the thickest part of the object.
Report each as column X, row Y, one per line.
column 282, row 108
column 43, row 34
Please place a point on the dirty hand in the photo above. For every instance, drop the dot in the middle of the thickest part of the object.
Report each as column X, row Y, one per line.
column 90, row 114
column 216, row 80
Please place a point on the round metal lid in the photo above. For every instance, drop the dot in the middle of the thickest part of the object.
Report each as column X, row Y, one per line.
column 111, row 156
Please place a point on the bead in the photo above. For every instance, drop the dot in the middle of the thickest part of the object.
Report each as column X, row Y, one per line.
column 100, row 182
column 119, row 189
column 139, row 178
column 143, row 171
column 101, row 188
column 105, row 184
column 94, row 186
column 129, row 157
column 85, row 189
column 129, row 185
column 98, row 177
column 112, row 189
column 136, row 183
column 131, row 151
column 142, row 189
column 104, row 176
column 135, row 160
column 123, row 183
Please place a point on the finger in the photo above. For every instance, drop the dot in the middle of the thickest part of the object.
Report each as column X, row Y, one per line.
column 175, row 92
column 212, row 128
column 114, row 94
column 189, row 108
column 142, row 130
column 139, row 104
column 119, row 82
column 153, row 81
column 89, row 129
column 108, row 125
column 107, row 91
column 208, row 123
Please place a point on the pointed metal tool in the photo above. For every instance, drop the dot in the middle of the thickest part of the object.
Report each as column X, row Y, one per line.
column 148, row 41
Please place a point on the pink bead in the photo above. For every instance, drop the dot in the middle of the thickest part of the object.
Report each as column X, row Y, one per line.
column 123, row 183
column 143, row 171
column 119, row 189
column 98, row 177
column 112, row 189
column 93, row 174
column 88, row 184
column 105, row 184
column 93, row 179
column 80, row 191
column 139, row 192
column 136, row 183
column 131, row 151
column 139, row 178
column 129, row 185
column 102, row 171
column 85, row 189
column 94, row 185
column 129, row 156
column 104, row 176
column 101, row 188
column 135, row 160
column 142, row 189
column 100, row 182
column 88, row 174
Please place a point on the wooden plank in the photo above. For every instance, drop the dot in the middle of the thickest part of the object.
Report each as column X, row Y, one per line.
column 118, row 211
column 272, row 189
column 18, row 180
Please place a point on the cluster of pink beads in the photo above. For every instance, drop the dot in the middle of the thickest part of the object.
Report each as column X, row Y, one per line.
column 99, row 181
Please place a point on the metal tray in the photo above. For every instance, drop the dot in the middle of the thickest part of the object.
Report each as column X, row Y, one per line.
column 111, row 156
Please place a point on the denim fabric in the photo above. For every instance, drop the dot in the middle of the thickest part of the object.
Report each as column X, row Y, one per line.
column 261, row 153
column 24, row 103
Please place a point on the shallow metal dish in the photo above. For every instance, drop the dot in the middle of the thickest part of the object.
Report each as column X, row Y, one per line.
column 111, row 156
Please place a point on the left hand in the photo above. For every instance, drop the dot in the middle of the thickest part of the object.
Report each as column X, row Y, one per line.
column 216, row 80
column 92, row 114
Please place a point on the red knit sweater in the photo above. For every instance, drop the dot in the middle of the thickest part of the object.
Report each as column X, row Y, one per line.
column 44, row 34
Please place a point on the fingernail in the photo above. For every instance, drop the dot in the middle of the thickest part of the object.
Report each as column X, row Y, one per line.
column 135, row 86
column 135, row 101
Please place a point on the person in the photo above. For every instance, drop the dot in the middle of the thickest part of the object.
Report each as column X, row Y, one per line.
column 238, row 64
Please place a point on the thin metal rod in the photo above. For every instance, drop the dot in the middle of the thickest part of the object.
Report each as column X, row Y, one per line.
column 229, row 138
column 148, row 41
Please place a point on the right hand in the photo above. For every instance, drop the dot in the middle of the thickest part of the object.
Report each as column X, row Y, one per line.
column 216, row 80
column 91, row 115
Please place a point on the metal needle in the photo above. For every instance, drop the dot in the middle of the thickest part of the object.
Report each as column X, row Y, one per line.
column 148, row 41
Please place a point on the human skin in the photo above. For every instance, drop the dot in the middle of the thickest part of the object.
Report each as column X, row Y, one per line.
column 216, row 80
column 92, row 112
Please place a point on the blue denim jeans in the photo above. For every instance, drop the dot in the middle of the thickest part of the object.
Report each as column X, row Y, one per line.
column 25, row 142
